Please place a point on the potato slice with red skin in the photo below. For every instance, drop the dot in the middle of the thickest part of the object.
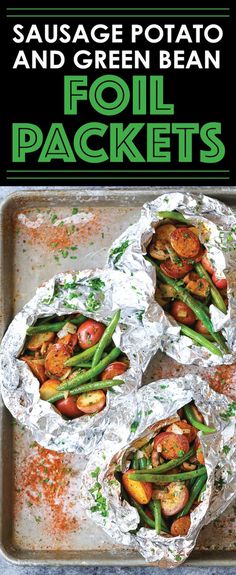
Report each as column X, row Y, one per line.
column 184, row 428
column 91, row 401
column 180, row 527
column 36, row 341
column 89, row 333
column 200, row 328
column 37, row 367
column 55, row 359
column 173, row 497
column 140, row 491
column 199, row 452
column 182, row 313
column 68, row 406
column 170, row 445
column 49, row 388
column 185, row 243
column 114, row 369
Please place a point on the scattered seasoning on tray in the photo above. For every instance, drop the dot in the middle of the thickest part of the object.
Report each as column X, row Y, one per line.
column 49, row 230
column 223, row 380
column 43, row 479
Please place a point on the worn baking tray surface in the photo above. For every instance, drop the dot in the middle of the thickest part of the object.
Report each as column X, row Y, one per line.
column 42, row 522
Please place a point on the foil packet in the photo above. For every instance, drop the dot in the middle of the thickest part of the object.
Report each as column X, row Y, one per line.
column 216, row 225
column 96, row 294
column 133, row 421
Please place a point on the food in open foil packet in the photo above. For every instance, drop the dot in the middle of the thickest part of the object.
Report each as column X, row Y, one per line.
column 81, row 340
column 187, row 245
column 166, row 467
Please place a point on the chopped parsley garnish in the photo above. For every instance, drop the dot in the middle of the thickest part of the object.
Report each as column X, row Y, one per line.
column 92, row 304
column 53, row 218
column 226, row 449
column 119, row 251
column 229, row 412
column 96, row 284
column 100, row 501
column 135, row 423
column 74, row 211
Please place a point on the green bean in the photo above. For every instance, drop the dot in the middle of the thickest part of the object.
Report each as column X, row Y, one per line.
column 170, row 464
column 106, row 338
column 84, row 364
column 134, row 463
column 191, row 419
column 215, row 294
column 144, row 517
column 88, row 387
column 92, row 372
column 197, row 487
column 157, row 515
column 164, row 525
column 195, row 305
column 177, row 216
column 142, row 463
column 84, row 355
column 55, row 326
column 152, row 478
column 201, row 339
column 201, row 492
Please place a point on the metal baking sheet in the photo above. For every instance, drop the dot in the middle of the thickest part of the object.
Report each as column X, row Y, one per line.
column 44, row 232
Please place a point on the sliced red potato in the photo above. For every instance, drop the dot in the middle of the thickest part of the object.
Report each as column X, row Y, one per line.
column 141, row 491
column 199, row 452
column 185, row 243
column 183, row 428
column 176, row 270
column 171, row 445
column 36, row 341
column 173, row 497
column 200, row 328
column 220, row 283
column 55, row 359
column 68, row 406
column 37, row 367
column 207, row 264
column 180, row 527
column 113, row 369
column 89, row 333
column 49, row 388
column 91, row 401
column 182, row 313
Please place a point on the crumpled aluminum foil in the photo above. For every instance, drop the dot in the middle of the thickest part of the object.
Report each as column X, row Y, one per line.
column 137, row 416
column 217, row 229
column 136, row 335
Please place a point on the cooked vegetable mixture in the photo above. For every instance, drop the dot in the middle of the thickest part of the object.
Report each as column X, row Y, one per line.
column 186, row 281
column 167, row 475
column 75, row 361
